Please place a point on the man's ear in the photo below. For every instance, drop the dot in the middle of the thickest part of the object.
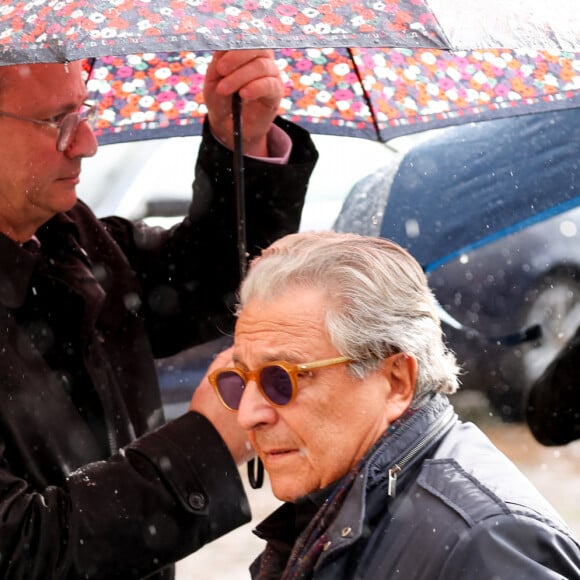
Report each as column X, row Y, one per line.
column 400, row 370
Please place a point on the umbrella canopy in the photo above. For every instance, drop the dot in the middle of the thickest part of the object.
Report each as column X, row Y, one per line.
column 45, row 30
column 371, row 93
column 416, row 75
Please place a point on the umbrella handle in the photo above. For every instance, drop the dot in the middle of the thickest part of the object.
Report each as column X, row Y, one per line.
column 255, row 466
column 238, row 173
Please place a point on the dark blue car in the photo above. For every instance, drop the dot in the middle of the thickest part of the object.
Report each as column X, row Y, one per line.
column 490, row 211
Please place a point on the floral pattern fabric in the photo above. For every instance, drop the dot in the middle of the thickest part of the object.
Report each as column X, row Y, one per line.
column 72, row 29
column 60, row 30
column 154, row 95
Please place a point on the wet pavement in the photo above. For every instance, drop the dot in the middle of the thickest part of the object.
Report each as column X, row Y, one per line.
column 554, row 470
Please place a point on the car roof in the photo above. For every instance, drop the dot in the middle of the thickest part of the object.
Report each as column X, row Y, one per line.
column 472, row 184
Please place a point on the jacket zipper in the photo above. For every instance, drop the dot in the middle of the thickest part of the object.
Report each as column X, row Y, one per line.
column 434, row 432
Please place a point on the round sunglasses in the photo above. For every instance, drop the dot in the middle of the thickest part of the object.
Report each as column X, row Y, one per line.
column 276, row 380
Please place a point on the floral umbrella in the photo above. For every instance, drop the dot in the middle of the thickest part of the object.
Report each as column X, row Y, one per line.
column 65, row 30
column 57, row 31
column 372, row 93
column 426, row 78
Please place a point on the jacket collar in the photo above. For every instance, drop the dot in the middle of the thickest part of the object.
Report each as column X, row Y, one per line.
column 433, row 419
column 349, row 522
column 17, row 264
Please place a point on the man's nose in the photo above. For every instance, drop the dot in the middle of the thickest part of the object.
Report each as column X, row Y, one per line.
column 254, row 409
column 84, row 142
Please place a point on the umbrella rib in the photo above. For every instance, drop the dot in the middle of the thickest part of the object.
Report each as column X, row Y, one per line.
column 366, row 96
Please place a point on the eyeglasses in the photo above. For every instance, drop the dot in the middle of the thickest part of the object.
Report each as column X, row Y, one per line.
column 67, row 126
column 276, row 380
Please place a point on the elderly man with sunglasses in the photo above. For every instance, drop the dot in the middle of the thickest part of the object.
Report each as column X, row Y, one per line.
column 340, row 378
column 92, row 483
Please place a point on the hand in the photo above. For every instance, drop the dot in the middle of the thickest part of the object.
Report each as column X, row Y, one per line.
column 255, row 76
column 205, row 401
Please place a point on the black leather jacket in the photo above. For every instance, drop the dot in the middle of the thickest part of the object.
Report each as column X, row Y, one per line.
column 458, row 509
column 92, row 484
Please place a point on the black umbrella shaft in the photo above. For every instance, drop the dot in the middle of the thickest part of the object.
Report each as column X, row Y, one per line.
column 255, row 466
column 239, row 182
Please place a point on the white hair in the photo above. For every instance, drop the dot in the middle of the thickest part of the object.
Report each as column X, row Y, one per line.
column 379, row 302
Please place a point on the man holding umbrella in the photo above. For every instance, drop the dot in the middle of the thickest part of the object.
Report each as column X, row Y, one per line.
column 93, row 484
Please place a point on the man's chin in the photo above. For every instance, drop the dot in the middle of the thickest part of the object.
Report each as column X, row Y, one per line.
column 66, row 200
column 285, row 490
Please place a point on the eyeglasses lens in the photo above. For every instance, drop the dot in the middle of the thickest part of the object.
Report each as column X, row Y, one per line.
column 67, row 130
column 231, row 388
column 70, row 124
column 276, row 384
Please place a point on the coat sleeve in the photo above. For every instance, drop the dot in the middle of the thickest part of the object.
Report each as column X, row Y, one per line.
column 553, row 404
column 162, row 497
column 189, row 275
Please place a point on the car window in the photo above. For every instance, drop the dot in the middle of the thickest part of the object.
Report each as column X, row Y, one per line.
column 125, row 179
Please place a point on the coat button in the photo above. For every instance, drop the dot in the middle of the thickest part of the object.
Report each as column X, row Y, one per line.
column 346, row 532
column 196, row 500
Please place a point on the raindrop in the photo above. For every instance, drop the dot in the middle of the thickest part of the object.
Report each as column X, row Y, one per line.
column 568, row 229
column 412, row 228
column 132, row 302
column 165, row 463
column 100, row 273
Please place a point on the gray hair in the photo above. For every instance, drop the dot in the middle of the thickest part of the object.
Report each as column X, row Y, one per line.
column 379, row 300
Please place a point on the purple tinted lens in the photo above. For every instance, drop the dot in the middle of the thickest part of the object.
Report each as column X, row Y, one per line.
column 231, row 387
column 276, row 384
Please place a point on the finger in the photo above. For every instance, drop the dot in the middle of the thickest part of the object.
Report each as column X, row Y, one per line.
column 228, row 61
column 267, row 90
column 251, row 71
